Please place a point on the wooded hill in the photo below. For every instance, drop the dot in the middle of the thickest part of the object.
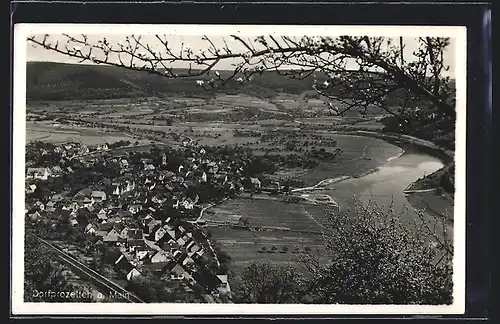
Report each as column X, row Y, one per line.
column 60, row 81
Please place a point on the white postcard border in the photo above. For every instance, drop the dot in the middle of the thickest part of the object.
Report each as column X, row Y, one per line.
column 19, row 307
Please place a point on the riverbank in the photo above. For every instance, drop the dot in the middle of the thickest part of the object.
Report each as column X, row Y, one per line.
column 447, row 156
column 433, row 192
column 434, row 203
column 441, row 180
column 422, row 192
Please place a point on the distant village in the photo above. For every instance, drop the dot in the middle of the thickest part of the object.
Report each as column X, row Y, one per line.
column 149, row 211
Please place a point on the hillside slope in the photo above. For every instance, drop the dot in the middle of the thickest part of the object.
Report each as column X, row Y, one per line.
column 59, row 81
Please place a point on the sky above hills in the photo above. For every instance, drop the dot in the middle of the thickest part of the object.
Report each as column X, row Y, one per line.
column 196, row 43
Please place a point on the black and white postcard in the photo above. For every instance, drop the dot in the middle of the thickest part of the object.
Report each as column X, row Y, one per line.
column 211, row 169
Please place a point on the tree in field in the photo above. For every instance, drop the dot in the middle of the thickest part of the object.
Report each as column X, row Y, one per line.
column 265, row 283
column 376, row 257
column 348, row 72
column 245, row 222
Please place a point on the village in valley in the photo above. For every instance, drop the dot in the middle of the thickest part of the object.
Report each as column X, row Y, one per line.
column 130, row 212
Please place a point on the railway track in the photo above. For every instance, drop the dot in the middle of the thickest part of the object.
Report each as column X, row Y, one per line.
column 95, row 277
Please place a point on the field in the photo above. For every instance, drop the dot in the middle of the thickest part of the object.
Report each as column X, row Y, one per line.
column 244, row 246
column 283, row 137
column 271, row 213
column 357, row 150
column 359, row 155
column 89, row 136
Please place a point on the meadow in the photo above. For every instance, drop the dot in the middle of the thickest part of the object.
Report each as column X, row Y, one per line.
column 295, row 229
column 261, row 213
column 359, row 155
column 246, row 246
column 88, row 136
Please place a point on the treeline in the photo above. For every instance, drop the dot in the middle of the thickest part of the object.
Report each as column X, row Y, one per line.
column 440, row 130
column 120, row 143
column 34, row 94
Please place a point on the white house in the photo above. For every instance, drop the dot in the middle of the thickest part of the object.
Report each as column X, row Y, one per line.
column 187, row 261
column 179, row 273
column 160, row 256
column 113, row 233
column 130, row 186
column 40, row 205
column 134, row 273
column 124, row 233
column 148, row 219
column 181, row 242
column 223, row 287
column 102, row 147
column 116, row 191
column 31, row 188
column 38, row 173
column 188, row 204
column 141, row 254
column 87, row 202
column 90, row 229
column 201, row 251
column 98, row 196
column 256, row 182
column 134, row 209
column 124, row 163
column 159, row 234
column 102, row 213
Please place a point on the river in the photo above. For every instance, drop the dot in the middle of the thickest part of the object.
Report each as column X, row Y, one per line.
column 388, row 183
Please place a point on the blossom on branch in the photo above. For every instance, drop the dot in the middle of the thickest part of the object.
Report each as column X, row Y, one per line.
column 382, row 77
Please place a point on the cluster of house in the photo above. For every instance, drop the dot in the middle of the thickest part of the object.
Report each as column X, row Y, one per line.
column 35, row 175
column 66, row 151
column 164, row 247
column 72, row 149
column 44, row 173
column 126, row 214
column 154, row 185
